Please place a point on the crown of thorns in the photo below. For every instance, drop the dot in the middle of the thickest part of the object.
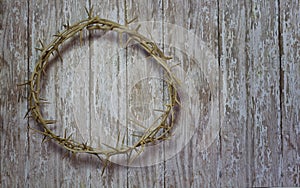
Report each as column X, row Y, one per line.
column 159, row 130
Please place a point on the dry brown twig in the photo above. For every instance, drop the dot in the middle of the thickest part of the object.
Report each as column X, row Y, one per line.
column 160, row 130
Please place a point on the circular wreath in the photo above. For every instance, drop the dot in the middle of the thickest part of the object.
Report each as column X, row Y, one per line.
column 160, row 130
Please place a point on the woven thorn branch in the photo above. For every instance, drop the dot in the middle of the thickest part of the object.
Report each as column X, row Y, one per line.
column 159, row 130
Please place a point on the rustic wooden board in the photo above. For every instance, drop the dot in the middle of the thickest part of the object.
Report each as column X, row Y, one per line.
column 246, row 87
column 13, row 70
column 290, row 91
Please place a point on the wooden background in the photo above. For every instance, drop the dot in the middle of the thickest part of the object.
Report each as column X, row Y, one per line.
column 257, row 49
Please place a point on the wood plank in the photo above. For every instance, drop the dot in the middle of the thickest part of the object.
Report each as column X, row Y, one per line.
column 13, row 62
column 193, row 36
column 107, row 61
column 234, row 147
column 290, row 91
column 46, row 19
column 263, row 67
column 13, row 66
column 145, row 92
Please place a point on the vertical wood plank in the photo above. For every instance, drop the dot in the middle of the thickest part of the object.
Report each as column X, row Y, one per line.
column 263, row 67
column 196, row 165
column 145, row 91
column 290, row 90
column 72, row 94
column 46, row 19
column 234, row 162
column 107, row 62
column 42, row 157
column 13, row 66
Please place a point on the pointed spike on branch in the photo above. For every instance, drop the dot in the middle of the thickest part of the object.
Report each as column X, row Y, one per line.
column 158, row 110
column 58, row 34
column 73, row 154
column 67, row 25
column 177, row 64
column 137, row 28
column 89, row 12
column 65, row 155
column 130, row 21
column 128, row 41
column 23, row 84
column 27, row 113
column 45, row 137
column 118, row 139
column 123, row 140
column 115, row 149
column 69, row 137
column 42, row 44
column 58, row 53
column 106, row 161
column 81, row 37
column 39, row 49
column 50, row 121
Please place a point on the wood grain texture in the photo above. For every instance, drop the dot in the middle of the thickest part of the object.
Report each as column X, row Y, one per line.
column 251, row 81
column 13, row 70
column 290, row 91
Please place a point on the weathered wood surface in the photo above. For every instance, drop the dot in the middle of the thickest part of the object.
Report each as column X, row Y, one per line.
column 254, row 79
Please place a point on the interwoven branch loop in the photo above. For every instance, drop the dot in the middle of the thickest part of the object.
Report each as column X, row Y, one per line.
column 160, row 130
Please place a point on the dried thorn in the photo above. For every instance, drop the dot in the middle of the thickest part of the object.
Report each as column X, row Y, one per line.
column 175, row 65
column 158, row 110
column 129, row 22
column 26, row 83
column 138, row 153
column 65, row 155
column 128, row 41
column 67, row 25
column 89, row 12
column 176, row 100
column 42, row 44
column 58, row 34
column 80, row 37
column 28, row 111
column 118, row 138
column 58, row 53
column 39, row 49
column 45, row 137
column 105, row 165
column 138, row 124
column 135, row 135
column 84, row 145
column 69, row 137
column 44, row 72
column 98, row 157
column 73, row 155
column 50, row 121
column 111, row 147
column 137, row 28
column 123, row 140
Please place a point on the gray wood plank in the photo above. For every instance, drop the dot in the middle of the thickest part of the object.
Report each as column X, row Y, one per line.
column 195, row 35
column 107, row 60
column 145, row 92
column 46, row 19
column 13, row 71
column 264, row 94
column 290, row 90
column 234, row 149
